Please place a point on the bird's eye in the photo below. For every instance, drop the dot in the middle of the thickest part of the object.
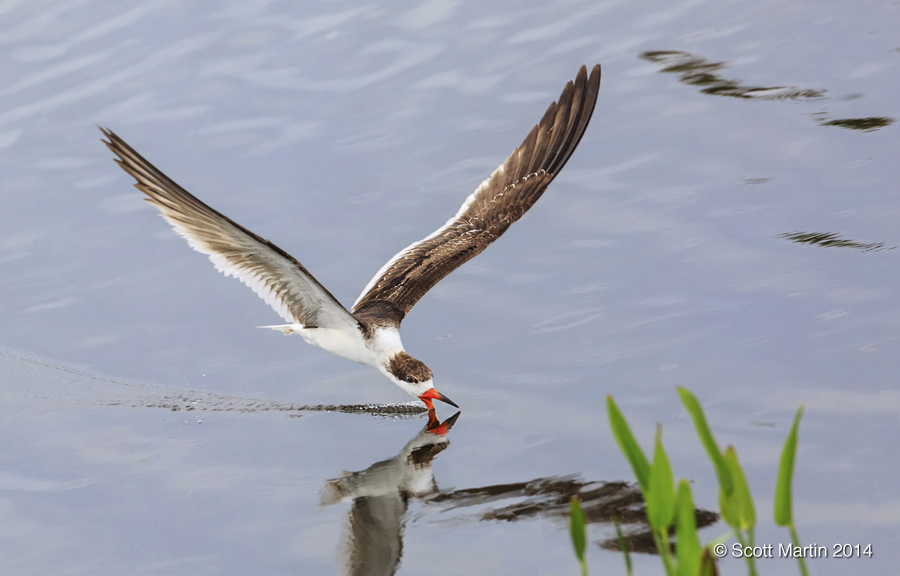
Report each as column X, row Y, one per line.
column 410, row 379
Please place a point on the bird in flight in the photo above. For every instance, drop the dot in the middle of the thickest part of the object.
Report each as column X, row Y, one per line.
column 370, row 332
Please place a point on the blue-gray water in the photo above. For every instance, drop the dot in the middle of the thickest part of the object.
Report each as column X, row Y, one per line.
column 727, row 224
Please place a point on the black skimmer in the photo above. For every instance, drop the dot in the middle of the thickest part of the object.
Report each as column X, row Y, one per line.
column 370, row 333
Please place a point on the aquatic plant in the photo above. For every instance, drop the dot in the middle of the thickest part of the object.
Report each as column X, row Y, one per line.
column 671, row 510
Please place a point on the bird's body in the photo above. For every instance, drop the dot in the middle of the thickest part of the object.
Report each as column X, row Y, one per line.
column 375, row 350
column 370, row 333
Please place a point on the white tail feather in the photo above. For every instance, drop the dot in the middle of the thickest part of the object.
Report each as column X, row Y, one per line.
column 286, row 329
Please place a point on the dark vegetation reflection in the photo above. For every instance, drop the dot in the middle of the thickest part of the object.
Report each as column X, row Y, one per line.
column 548, row 498
column 372, row 538
column 861, row 124
column 832, row 240
column 697, row 71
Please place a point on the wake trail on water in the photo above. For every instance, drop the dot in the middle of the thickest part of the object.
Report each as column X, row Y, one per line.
column 27, row 377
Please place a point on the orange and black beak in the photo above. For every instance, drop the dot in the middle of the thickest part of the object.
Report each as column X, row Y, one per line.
column 437, row 428
column 432, row 394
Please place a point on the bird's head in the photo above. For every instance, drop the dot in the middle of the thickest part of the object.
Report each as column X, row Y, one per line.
column 415, row 377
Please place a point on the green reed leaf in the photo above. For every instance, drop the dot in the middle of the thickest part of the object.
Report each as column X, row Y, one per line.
column 688, row 549
column 741, row 498
column 576, row 529
column 706, row 438
column 708, row 564
column 783, row 506
column 628, row 445
column 623, row 545
column 660, row 498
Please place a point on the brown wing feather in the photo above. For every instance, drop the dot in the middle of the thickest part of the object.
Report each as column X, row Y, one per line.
column 268, row 270
column 500, row 200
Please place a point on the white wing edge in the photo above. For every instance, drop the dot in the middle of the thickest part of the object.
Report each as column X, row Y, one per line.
column 462, row 210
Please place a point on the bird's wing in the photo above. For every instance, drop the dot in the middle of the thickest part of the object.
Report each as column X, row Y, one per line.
column 268, row 270
column 499, row 201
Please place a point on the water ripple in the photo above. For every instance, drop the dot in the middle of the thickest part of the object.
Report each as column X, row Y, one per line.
column 409, row 55
column 114, row 24
column 564, row 322
column 63, row 98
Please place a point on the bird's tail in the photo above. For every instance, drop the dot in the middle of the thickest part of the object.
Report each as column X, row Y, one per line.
column 286, row 329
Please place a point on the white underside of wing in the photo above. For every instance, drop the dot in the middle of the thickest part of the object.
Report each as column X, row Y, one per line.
column 462, row 210
column 221, row 263
column 255, row 283
column 274, row 264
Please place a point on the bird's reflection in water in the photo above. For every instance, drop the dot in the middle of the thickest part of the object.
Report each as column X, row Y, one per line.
column 373, row 537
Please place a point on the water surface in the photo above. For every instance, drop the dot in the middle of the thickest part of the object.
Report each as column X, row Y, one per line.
column 725, row 225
